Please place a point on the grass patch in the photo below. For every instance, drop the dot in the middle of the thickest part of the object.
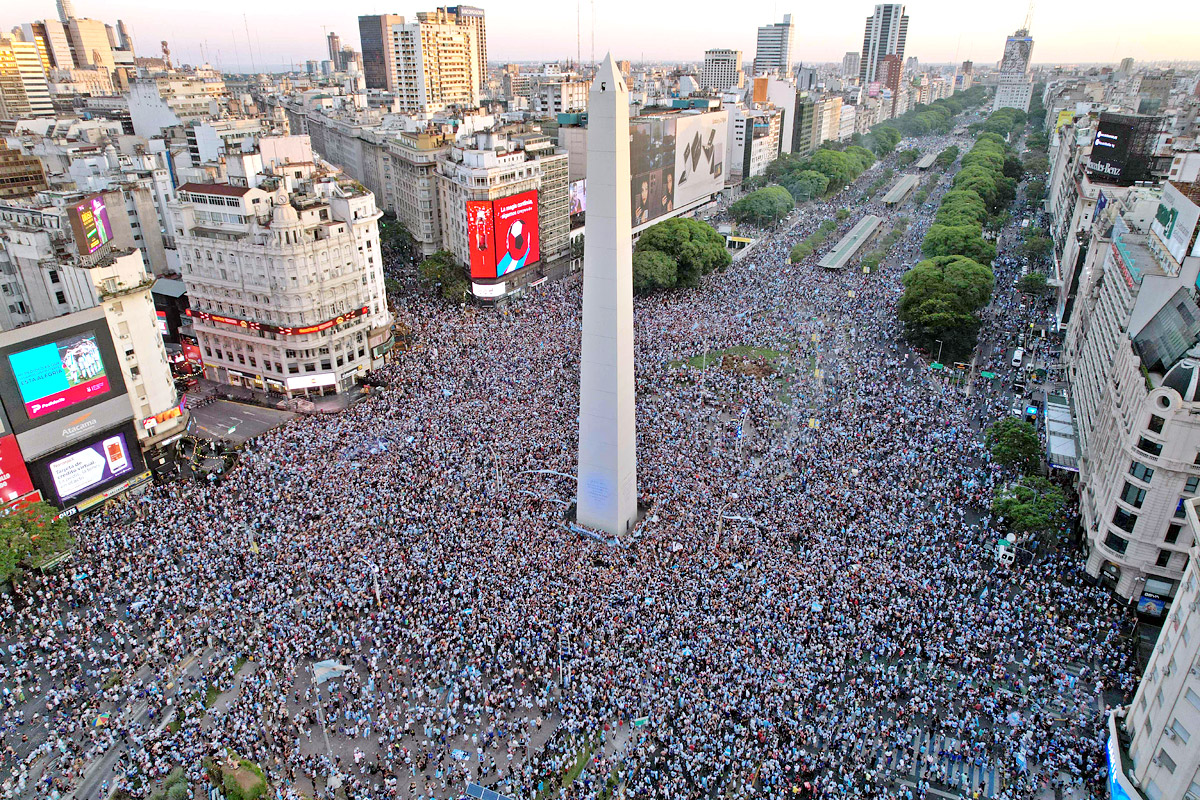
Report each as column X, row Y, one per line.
column 112, row 680
column 210, row 696
column 713, row 357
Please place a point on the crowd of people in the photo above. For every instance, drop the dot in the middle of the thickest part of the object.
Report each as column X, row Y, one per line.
column 810, row 608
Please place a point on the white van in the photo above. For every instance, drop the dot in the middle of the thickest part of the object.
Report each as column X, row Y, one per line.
column 1018, row 357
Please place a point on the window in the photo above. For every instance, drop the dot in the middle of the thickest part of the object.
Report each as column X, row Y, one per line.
column 1166, row 761
column 1116, row 543
column 1133, row 495
column 1152, row 791
column 1124, row 520
column 1156, row 423
column 1180, row 511
column 1148, row 446
column 1183, row 733
column 60, row 297
column 54, row 276
column 1173, row 533
column 1193, row 698
column 1164, row 558
column 1140, row 471
column 134, row 371
column 1193, row 483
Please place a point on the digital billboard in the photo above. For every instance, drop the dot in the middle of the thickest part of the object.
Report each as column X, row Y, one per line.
column 59, row 374
column 91, row 466
column 14, row 478
column 515, row 221
column 481, row 238
column 1122, row 148
column 1175, row 222
column 1110, row 149
column 90, row 224
column 578, row 197
column 675, row 160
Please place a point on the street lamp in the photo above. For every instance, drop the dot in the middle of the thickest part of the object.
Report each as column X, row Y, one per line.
column 733, row 496
column 375, row 577
column 939, row 357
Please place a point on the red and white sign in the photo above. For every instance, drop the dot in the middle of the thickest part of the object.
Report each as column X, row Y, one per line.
column 14, row 477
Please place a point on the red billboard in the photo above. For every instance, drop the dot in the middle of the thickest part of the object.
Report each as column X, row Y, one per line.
column 515, row 220
column 481, row 238
column 14, row 478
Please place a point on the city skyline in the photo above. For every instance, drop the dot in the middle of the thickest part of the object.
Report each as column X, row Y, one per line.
column 538, row 30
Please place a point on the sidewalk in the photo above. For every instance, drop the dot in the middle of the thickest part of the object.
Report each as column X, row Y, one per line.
column 328, row 404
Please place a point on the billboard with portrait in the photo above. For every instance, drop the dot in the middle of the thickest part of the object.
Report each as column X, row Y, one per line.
column 481, row 238
column 652, row 167
column 578, row 197
column 515, row 222
column 90, row 224
column 60, row 374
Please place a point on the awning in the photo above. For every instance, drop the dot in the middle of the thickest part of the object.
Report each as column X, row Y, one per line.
column 1062, row 451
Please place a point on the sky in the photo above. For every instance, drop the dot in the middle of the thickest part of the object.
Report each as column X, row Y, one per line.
column 940, row 31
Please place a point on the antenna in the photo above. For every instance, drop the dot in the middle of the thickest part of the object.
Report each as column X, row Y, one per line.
column 1029, row 18
column 246, row 22
column 593, row 33
column 578, row 26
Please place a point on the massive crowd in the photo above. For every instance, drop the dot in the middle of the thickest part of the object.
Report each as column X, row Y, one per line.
column 847, row 635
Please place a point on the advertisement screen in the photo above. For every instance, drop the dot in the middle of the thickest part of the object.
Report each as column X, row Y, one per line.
column 192, row 353
column 481, row 238
column 578, row 197
column 89, row 222
column 59, row 374
column 652, row 167
column 699, row 156
column 1175, row 221
column 14, row 478
column 91, row 466
column 515, row 221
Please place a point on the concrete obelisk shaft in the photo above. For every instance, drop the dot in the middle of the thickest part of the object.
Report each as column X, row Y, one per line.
column 607, row 494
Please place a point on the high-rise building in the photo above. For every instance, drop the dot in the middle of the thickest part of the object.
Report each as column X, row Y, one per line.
column 774, row 53
column 308, row 314
column 1158, row 725
column 436, row 64
column 24, row 91
column 1127, row 66
column 89, row 43
column 850, row 64
column 124, row 40
column 472, row 19
column 335, row 47
column 51, row 39
column 885, row 34
column 1015, row 87
column 375, row 41
column 66, row 10
column 722, row 70
column 20, row 175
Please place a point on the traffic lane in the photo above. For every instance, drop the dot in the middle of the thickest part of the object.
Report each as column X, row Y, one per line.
column 235, row 422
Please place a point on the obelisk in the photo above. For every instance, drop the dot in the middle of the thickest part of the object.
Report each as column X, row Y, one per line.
column 607, row 493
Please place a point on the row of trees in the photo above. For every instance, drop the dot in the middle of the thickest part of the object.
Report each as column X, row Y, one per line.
column 946, row 157
column 937, row 117
column 1030, row 504
column 677, row 252
column 763, row 207
column 825, row 172
column 944, row 293
column 809, row 244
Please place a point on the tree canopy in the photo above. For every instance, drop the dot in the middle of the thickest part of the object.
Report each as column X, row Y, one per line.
column 958, row 240
column 1031, row 505
column 941, row 301
column 764, row 206
column 30, row 535
column 677, row 252
column 1014, row 443
column 442, row 272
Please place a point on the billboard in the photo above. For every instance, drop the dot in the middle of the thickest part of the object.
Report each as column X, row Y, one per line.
column 700, row 156
column 1065, row 117
column 14, row 478
column 1175, row 222
column 91, row 466
column 1110, row 149
column 515, row 220
column 502, row 235
column 90, row 224
column 652, row 167
column 578, row 197
column 1122, row 148
column 60, row 374
column 78, row 424
column 481, row 238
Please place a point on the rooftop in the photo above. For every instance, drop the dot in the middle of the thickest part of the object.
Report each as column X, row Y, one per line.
column 215, row 188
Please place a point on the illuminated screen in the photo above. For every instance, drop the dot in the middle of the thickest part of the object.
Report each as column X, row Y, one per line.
column 515, row 221
column 91, row 226
column 58, row 375
column 14, row 478
column 91, row 466
column 481, row 237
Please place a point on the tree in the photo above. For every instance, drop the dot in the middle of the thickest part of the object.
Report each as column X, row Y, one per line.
column 764, row 206
column 805, row 185
column 1032, row 283
column 941, row 301
column 1037, row 245
column 1014, row 443
column 946, row 157
column 838, row 167
column 443, row 272
column 906, row 157
column 884, row 138
column 1031, row 505
column 692, row 246
column 653, row 269
column 958, row 240
column 30, row 535
column 1035, row 191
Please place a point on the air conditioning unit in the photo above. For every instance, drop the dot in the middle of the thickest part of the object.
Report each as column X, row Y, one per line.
column 1166, row 671
column 1170, row 734
column 1195, row 671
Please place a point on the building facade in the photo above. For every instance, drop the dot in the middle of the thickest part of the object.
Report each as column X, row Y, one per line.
column 436, row 64
column 1015, row 86
column 885, row 34
column 722, row 70
column 375, row 38
column 24, row 92
column 774, row 51
column 286, row 288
